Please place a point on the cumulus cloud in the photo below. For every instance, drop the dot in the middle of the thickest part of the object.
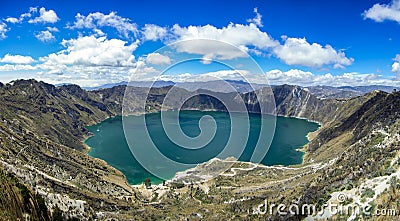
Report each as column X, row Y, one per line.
column 86, row 60
column 45, row 36
column 3, row 30
column 95, row 59
column 92, row 51
column 12, row 20
column 382, row 12
column 46, row 16
column 153, row 32
column 244, row 37
column 17, row 63
column 257, row 19
column 250, row 39
column 204, row 77
column 17, row 59
column 396, row 65
column 21, row 17
column 97, row 20
column 143, row 72
column 297, row 51
column 158, row 59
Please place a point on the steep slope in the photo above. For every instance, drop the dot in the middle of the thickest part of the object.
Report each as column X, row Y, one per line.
column 40, row 128
column 361, row 146
column 59, row 114
column 18, row 201
column 366, row 145
column 66, row 178
column 43, row 126
column 375, row 108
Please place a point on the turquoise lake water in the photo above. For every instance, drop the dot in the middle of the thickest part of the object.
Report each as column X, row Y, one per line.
column 108, row 141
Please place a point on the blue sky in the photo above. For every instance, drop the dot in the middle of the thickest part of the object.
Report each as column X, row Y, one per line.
column 295, row 42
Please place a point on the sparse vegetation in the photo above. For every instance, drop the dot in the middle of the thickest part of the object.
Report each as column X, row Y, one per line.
column 368, row 193
column 347, row 150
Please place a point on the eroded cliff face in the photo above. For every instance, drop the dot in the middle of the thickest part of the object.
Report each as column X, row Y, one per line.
column 42, row 129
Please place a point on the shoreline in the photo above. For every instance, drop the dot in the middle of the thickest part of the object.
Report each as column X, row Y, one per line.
column 302, row 149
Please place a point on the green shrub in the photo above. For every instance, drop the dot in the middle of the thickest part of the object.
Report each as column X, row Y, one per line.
column 368, row 193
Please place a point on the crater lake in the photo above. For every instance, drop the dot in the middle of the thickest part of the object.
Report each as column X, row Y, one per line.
column 108, row 141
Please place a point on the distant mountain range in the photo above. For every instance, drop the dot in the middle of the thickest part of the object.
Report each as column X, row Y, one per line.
column 216, row 86
column 156, row 84
column 227, row 86
column 347, row 91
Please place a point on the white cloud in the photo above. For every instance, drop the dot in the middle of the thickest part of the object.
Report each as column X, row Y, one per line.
column 143, row 72
column 241, row 36
column 289, row 76
column 202, row 77
column 250, row 39
column 98, row 32
column 53, row 29
column 96, row 20
column 297, row 51
column 25, row 15
column 396, row 65
column 92, row 51
column 17, row 67
column 3, row 30
column 12, row 20
column 94, row 59
column 158, row 59
column 206, row 59
column 49, row 16
column 84, row 75
column 22, row 16
column 278, row 77
column 17, row 59
column 382, row 12
column 33, row 9
column 153, row 32
column 257, row 19
column 87, row 61
column 45, row 36
column 18, row 20
column 305, row 78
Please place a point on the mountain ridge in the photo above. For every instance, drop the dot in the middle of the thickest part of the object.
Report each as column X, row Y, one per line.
column 320, row 91
column 43, row 124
